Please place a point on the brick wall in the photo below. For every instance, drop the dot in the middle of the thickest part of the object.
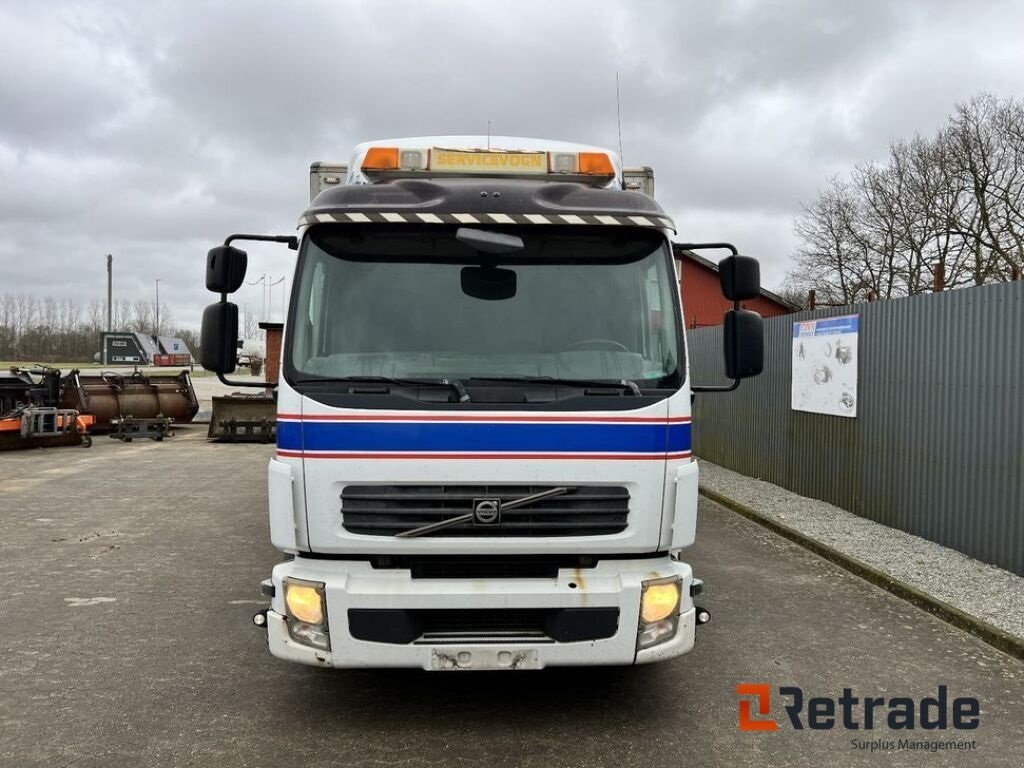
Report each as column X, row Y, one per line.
column 272, row 368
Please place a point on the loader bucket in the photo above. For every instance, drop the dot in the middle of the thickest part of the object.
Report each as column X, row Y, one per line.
column 110, row 396
column 242, row 418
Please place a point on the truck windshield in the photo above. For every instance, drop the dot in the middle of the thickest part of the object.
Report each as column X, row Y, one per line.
column 594, row 303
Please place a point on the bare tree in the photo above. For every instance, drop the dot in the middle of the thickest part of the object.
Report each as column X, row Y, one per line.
column 96, row 317
column 122, row 313
column 166, row 320
column 141, row 320
column 250, row 326
column 955, row 200
column 52, row 330
column 832, row 259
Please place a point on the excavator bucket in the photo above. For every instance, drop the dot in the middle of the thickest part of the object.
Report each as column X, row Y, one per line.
column 242, row 418
column 112, row 397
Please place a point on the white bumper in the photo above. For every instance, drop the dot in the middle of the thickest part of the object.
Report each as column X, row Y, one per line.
column 356, row 585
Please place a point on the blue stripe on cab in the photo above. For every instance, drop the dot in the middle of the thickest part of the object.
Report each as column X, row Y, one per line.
column 478, row 437
column 289, row 435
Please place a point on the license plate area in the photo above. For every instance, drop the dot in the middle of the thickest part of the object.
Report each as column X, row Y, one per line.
column 456, row 659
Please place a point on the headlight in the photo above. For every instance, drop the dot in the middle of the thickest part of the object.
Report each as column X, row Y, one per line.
column 306, row 604
column 659, row 611
column 660, row 599
column 305, row 601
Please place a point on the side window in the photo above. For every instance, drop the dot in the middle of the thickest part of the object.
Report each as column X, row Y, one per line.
column 654, row 325
column 316, row 308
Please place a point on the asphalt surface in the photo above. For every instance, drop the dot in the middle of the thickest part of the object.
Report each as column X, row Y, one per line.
column 130, row 573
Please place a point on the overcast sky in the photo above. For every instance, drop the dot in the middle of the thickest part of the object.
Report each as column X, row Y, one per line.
column 151, row 130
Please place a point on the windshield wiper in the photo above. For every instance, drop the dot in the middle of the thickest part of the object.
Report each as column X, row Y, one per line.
column 621, row 383
column 453, row 384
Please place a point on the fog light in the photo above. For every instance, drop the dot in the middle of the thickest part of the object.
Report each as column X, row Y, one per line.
column 311, row 635
column 305, row 600
column 660, row 599
column 658, row 632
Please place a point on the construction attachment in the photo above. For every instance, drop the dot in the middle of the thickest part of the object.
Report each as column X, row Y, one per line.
column 129, row 428
column 111, row 397
column 241, row 418
column 30, row 414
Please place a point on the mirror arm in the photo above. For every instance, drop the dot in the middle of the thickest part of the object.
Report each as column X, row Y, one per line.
column 707, row 247
column 293, row 243
column 255, row 384
column 735, row 305
column 291, row 240
column 716, row 387
column 719, row 387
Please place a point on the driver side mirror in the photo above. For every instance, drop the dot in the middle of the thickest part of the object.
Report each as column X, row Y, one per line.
column 225, row 269
column 218, row 341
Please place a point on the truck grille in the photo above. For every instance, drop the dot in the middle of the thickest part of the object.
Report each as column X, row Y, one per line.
column 436, row 626
column 387, row 510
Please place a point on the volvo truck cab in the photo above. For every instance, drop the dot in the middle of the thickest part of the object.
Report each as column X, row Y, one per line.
column 483, row 451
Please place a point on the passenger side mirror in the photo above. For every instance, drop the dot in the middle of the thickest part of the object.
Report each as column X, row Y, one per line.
column 225, row 269
column 744, row 343
column 218, row 341
column 741, row 278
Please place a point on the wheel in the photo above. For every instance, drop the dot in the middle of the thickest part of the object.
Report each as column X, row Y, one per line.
column 86, row 441
column 593, row 342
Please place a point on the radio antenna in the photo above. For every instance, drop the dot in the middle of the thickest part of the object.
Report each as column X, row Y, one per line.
column 488, row 135
column 618, row 115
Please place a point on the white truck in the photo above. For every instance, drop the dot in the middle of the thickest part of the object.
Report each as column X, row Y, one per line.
column 483, row 433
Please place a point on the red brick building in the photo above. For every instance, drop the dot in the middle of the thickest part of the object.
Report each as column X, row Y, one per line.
column 273, row 351
column 703, row 302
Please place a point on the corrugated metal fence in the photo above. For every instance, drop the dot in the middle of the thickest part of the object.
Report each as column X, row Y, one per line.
column 936, row 448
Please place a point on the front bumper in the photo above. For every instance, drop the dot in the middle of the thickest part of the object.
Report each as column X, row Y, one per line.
column 357, row 585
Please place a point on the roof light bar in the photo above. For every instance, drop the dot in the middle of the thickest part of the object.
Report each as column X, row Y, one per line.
column 392, row 160
column 381, row 159
column 595, row 164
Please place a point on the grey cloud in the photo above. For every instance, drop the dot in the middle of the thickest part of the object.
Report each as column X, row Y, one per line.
column 152, row 130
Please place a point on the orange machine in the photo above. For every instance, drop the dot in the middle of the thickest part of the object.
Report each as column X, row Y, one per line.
column 30, row 416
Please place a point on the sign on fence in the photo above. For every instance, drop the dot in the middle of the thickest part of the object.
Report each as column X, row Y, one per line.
column 825, row 366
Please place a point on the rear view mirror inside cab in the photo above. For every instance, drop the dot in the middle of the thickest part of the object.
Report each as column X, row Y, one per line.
column 488, row 283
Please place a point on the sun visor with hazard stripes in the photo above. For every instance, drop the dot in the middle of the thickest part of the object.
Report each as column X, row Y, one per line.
column 483, row 201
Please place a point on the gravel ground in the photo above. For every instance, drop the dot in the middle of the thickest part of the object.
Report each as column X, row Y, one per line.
column 131, row 571
column 982, row 590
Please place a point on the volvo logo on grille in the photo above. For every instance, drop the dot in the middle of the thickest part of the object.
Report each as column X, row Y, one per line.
column 486, row 511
